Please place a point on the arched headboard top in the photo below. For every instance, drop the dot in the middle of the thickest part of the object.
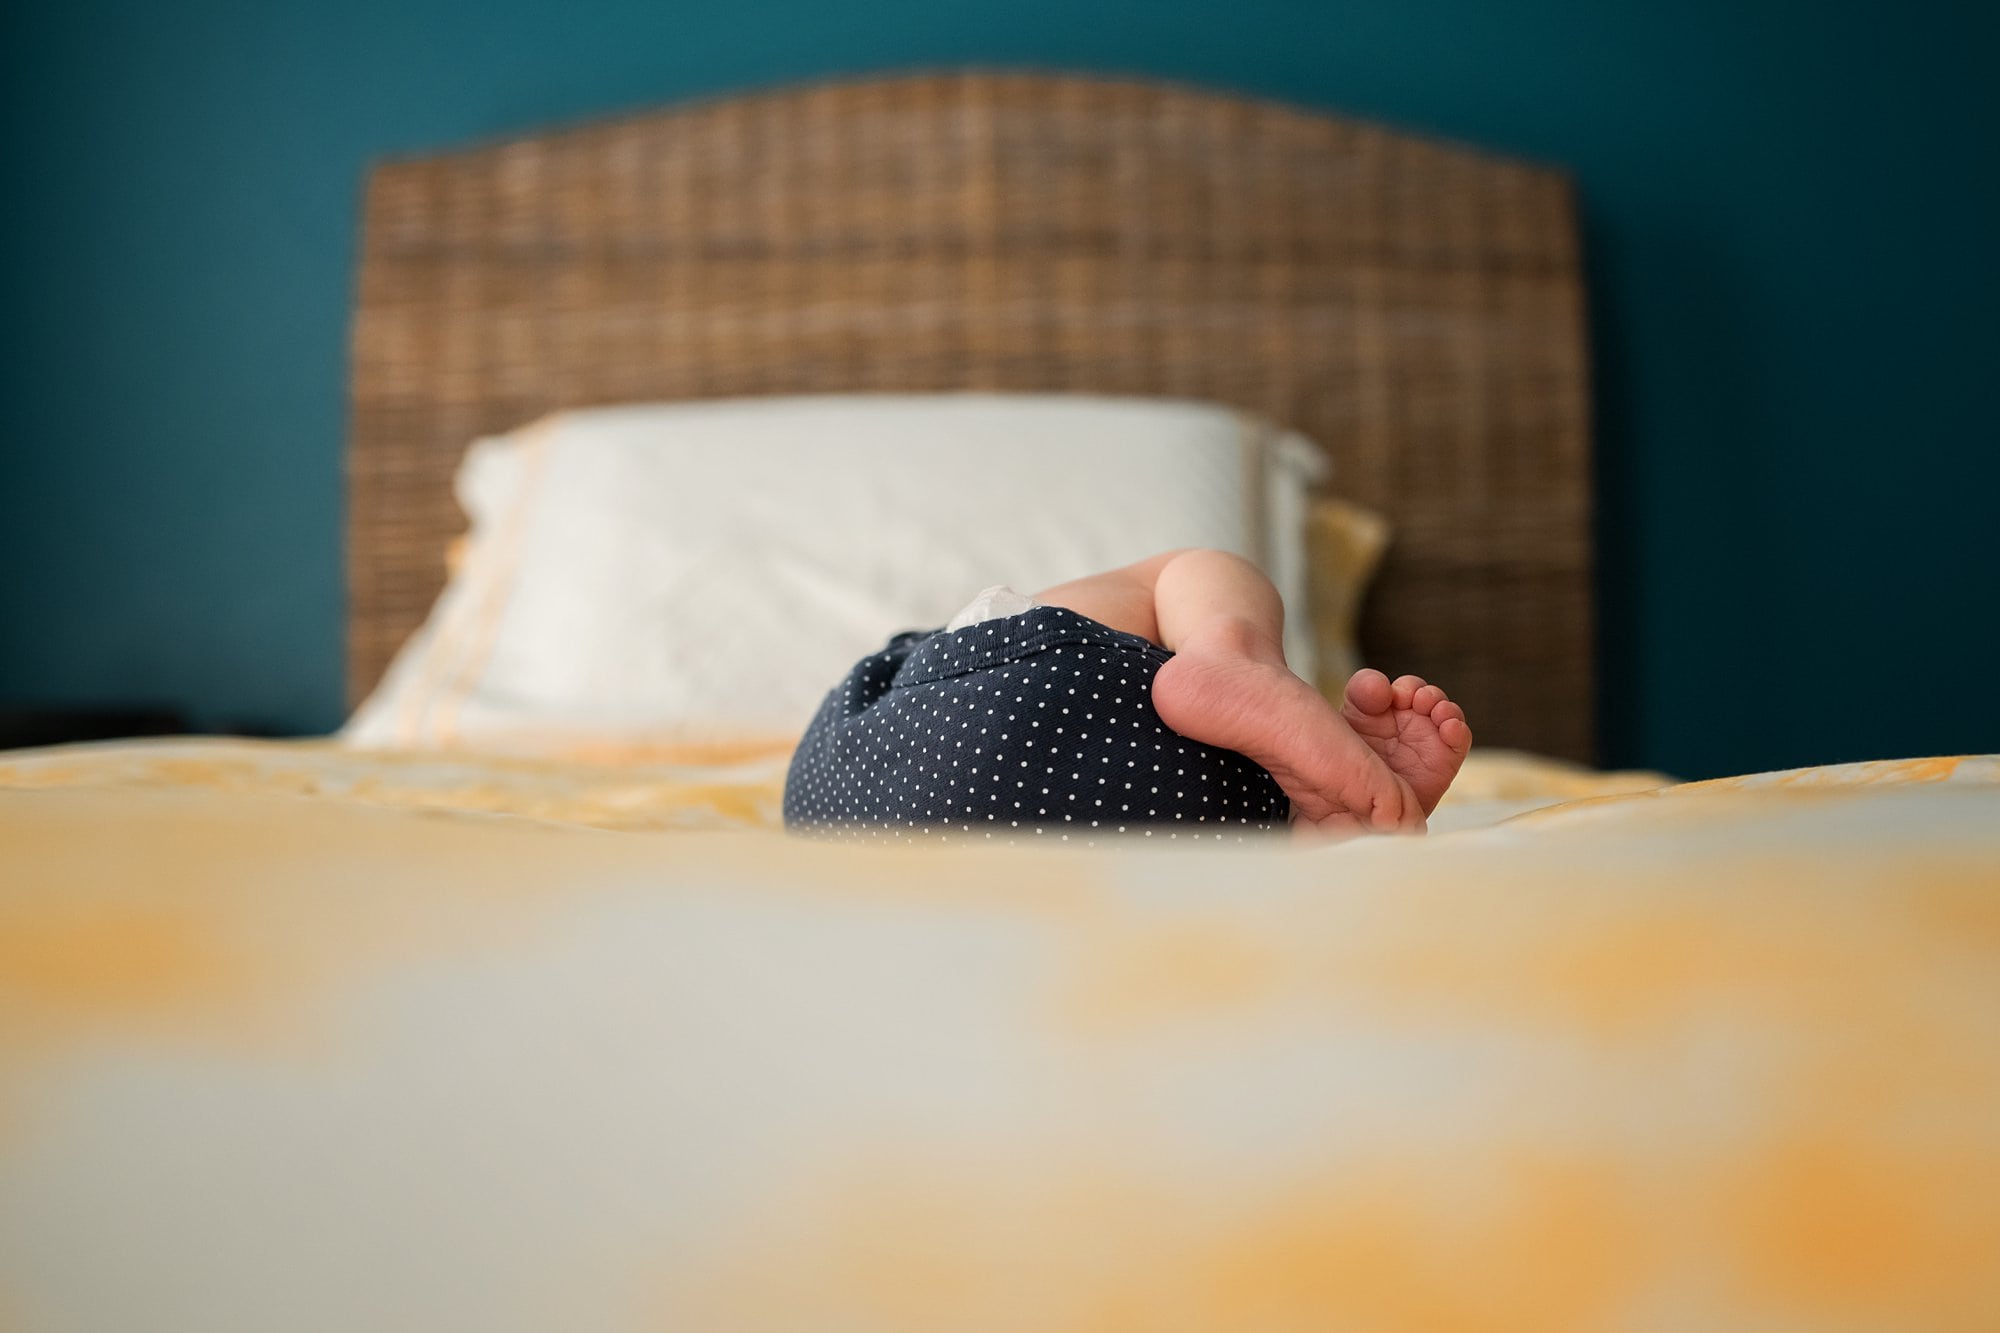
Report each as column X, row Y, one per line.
column 1414, row 306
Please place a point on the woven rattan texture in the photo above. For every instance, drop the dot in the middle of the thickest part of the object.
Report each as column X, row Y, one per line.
column 1413, row 306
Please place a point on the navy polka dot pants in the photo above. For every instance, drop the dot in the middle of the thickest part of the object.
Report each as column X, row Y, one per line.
column 1038, row 725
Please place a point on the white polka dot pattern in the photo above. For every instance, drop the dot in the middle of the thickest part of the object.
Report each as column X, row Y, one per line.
column 1038, row 725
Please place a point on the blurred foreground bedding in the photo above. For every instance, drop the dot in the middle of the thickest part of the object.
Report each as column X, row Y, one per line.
column 286, row 1043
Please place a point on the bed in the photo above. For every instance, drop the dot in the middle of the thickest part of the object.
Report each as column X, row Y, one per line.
column 319, row 1034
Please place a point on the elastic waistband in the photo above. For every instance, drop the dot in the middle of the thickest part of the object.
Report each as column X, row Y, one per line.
column 946, row 653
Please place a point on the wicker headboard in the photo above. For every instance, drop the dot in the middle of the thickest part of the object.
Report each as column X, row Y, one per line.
column 1414, row 307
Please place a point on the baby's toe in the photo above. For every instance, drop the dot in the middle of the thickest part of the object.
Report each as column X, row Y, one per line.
column 1369, row 691
column 1449, row 719
column 1406, row 688
column 1427, row 699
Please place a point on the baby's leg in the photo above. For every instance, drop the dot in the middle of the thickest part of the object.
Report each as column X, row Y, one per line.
column 1120, row 598
column 1228, row 685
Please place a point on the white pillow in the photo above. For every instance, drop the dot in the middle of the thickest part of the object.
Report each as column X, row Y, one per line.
column 702, row 573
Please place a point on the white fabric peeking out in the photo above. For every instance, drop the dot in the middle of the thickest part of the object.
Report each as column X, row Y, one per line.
column 994, row 603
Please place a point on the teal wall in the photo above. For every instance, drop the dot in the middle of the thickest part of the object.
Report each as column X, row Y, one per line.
column 1789, row 212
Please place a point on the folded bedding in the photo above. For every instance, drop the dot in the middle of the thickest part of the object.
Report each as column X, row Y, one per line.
column 293, row 1037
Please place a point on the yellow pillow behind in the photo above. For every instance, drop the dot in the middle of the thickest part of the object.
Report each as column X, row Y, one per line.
column 1344, row 547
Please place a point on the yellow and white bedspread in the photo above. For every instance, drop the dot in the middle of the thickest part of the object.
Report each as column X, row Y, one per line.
column 286, row 1043
column 629, row 791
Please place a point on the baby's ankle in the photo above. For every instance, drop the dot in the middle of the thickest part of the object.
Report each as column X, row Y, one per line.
column 1234, row 637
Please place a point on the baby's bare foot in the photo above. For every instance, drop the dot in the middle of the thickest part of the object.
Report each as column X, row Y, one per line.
column 1419, row 733
column 1226, row 687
